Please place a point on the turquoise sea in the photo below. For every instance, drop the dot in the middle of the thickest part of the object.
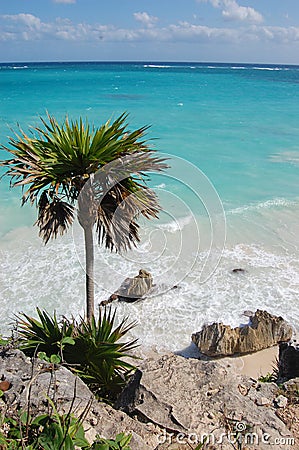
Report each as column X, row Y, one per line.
column 232, row 134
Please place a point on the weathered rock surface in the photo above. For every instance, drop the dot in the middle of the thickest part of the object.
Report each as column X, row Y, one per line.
column 175, row 404
column 264, row 330
column 132, row 289
column 190, row 398
column 290, row 414
column 288, row 361
column 34, row 383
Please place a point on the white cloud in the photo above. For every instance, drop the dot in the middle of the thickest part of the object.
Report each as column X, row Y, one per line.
column 231, row 10
column 28, row 20
column 27, row 27
column 146, row 19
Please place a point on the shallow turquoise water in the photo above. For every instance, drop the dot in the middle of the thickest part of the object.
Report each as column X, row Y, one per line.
column 237, row 124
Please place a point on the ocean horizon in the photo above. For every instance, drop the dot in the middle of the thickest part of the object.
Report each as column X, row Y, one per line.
column 230, row 199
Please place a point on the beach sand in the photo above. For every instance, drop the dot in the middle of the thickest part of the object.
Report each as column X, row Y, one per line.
column 255, row 364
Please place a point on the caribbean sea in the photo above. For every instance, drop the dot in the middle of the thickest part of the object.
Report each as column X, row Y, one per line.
column 230, row 199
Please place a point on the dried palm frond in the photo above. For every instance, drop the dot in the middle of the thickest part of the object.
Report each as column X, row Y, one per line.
column 54, row 217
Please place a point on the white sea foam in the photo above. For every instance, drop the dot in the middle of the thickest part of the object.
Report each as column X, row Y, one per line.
column 262, row 205
column 268, row 68
column 176, row 225
column 157, row 66
column 19, row 67
column 52, row 276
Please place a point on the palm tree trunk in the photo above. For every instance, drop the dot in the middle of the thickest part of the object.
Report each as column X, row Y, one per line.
column 89, row 269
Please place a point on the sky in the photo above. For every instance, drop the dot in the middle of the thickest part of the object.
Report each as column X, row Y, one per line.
column 257, row 31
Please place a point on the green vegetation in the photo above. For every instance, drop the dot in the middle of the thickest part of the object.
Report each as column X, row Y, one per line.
column 101, row 171
column 52, row 432
column 94, row 350
column 268, row 378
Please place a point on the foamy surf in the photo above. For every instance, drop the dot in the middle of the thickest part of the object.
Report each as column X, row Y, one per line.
column 52, row 277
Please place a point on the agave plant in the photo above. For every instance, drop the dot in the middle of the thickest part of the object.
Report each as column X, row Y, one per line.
column 45, row 335
column 55, row 163
column 99, row 356
column 93, row 349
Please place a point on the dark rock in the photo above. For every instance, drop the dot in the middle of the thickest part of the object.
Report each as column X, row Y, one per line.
column 263, row 331
column 288, row 361
column 128, row 398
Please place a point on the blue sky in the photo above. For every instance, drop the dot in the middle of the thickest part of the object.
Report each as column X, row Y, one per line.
column 264, row 31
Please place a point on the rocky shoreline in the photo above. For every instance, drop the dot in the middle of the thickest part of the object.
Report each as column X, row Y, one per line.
column 170, row 403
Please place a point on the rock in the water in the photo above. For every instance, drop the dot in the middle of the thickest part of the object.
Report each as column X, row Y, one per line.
column 132, row 289
column 288, row 361
column 239, row 270
column 263, row 331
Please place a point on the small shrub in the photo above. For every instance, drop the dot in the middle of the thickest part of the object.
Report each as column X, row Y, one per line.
column 47, row 432
column 121, row 442
column 46, row 335
column 268, row 378
column 52, row 432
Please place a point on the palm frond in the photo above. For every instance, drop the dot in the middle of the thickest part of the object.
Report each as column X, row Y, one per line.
column 54, row 217
column 118, row 212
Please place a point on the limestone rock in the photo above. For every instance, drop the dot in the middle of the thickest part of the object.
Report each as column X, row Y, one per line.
column 264, row 330
column 290, row 414
column 174, row 402
column 174, row 394
column 34, row 382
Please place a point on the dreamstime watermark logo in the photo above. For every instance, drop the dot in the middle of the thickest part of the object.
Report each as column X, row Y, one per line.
column 240, row 436
column 188, row 238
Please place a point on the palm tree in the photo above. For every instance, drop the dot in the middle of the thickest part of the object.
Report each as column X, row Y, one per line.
column 99, row 171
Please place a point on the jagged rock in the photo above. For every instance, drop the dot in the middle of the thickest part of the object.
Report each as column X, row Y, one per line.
column 132, row 289
column 177, row 398
column 264, row 330
column 288, row 361
column 263, row 401
column 290, row 414
column 32, row 383
column 190, row 397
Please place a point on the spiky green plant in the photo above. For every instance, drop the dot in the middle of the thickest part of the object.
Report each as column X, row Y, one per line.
column 44, row 335
column 100, row 353
column 93, row 349
column 56, row 162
